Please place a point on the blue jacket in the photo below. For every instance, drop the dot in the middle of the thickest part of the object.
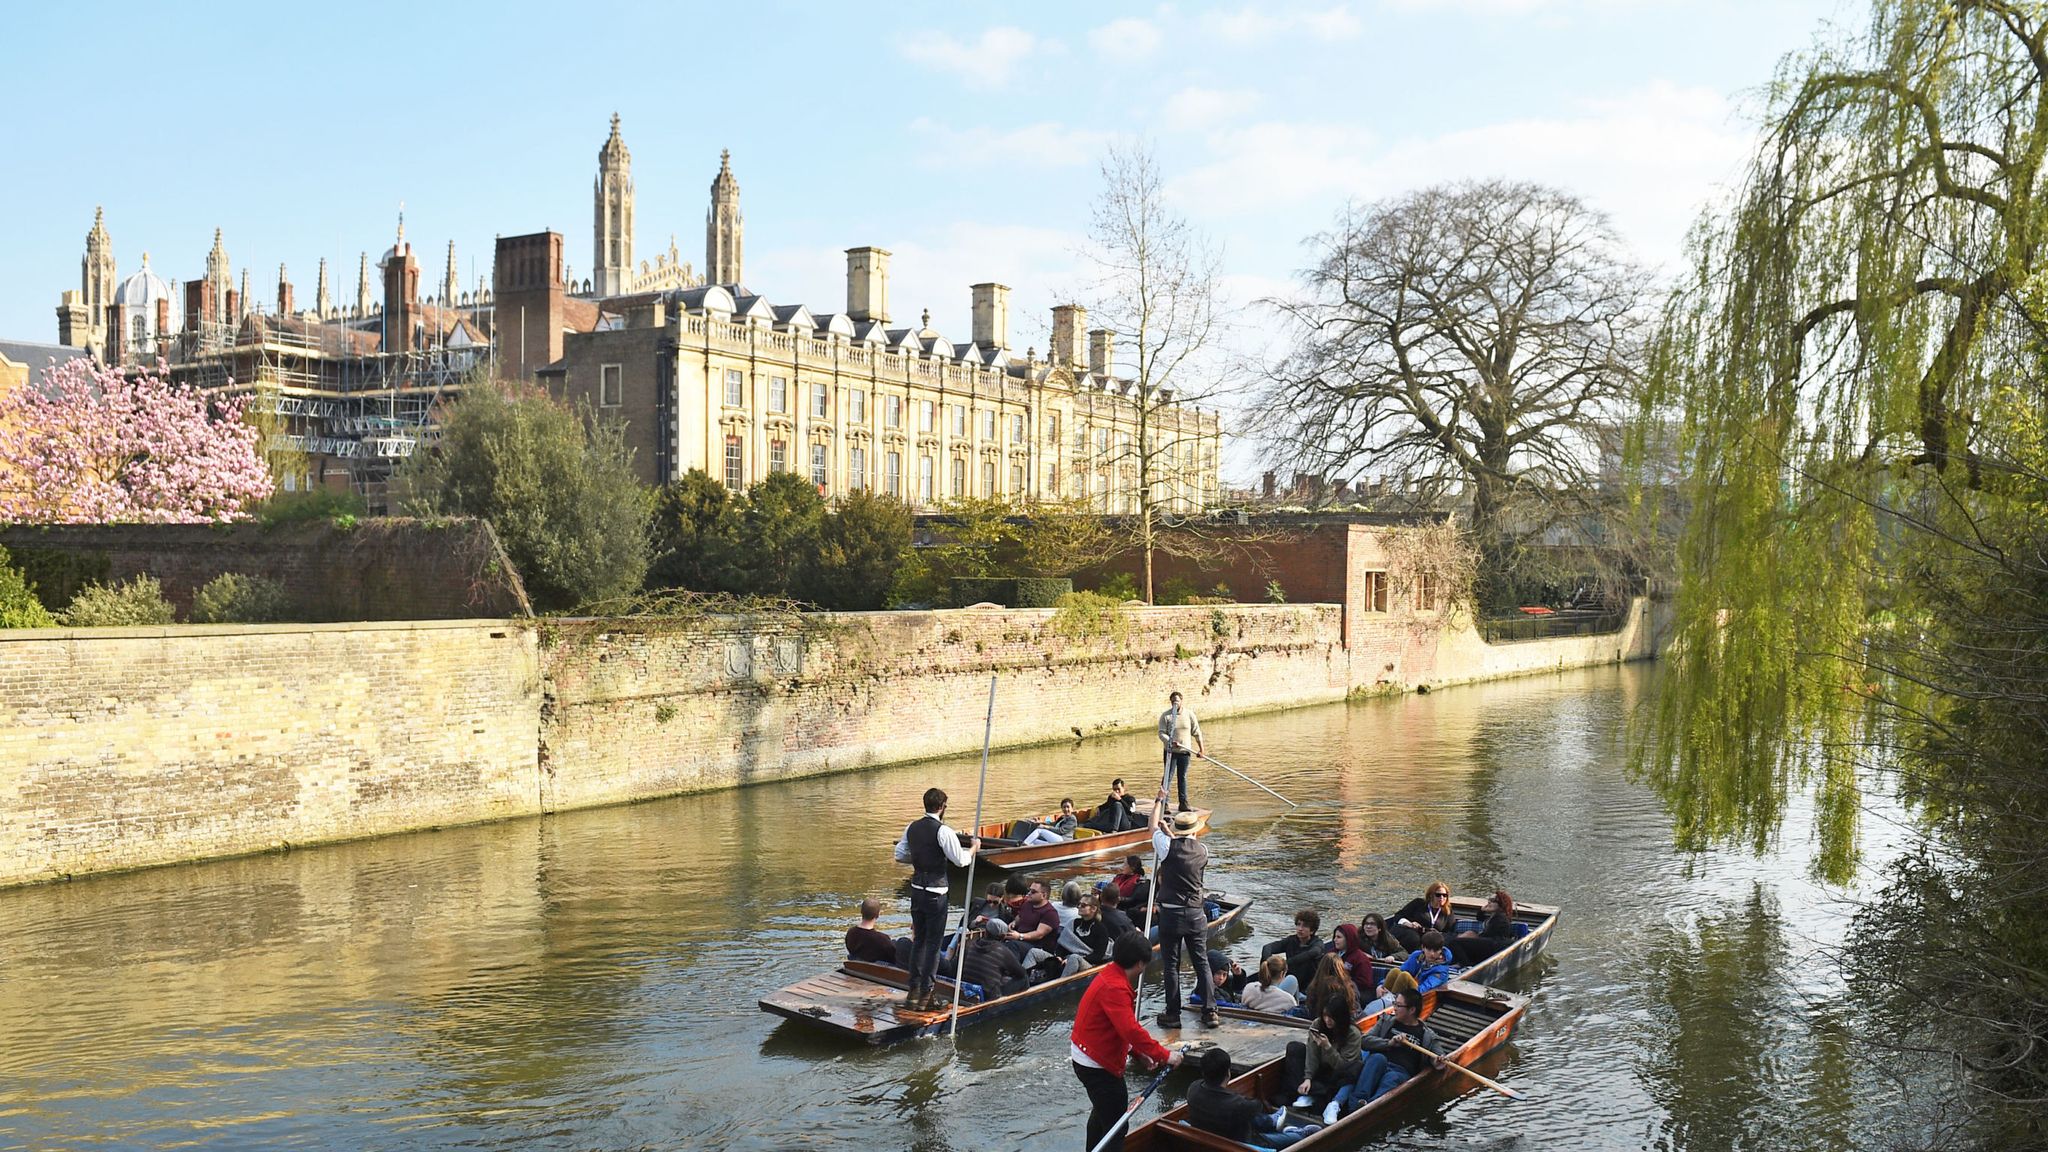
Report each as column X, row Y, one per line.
column 1427, row 976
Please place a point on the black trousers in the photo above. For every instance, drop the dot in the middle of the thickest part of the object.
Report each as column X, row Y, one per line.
column 1189, row 927
column 927, row 933
column 1108, row 1098
column 1179, row 772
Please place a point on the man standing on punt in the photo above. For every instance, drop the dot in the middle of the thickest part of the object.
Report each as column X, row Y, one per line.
column 1180, row 888
column 1181, row 733
column 930, row 844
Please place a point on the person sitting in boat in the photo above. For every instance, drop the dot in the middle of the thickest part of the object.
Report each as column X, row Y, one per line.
column 1378, row 940
column 1091, row 931
column 1036, row 926
column 1328, row 1059
column 1331, row 983
column 1430, row 965
column 1357, row 964
column 1430, row 913
column 1302, row 947
column 1273, row 990
column 1113, row 913
column 1214, row 1107
column 1129, row 880
column 1228, row 978
column 1496, row 931
column 868, row 943
column 991, row 964
column 1058, row 831
column 1117, row 813
column 1388, row 1061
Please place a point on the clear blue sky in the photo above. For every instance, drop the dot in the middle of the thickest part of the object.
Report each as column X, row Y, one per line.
column 963, row 137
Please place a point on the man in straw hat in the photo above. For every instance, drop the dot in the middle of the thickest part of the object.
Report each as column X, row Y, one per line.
column 1179, row 885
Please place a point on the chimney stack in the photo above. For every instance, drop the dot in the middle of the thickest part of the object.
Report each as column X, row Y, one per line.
column 529, row 294
column 1067, row 322
column 401, row 295
column 284, row 294
column 1271, row 483
column 163, row 325
column 992, row 316
column 1101, row 351
column 867, row 284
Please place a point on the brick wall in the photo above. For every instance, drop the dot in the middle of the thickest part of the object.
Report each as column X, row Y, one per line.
column 381, row 569
column 126, row 747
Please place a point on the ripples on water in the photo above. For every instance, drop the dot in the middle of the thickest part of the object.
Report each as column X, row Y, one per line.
column 588, row 981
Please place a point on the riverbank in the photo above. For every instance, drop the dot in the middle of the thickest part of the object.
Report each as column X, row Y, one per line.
column 133, row 747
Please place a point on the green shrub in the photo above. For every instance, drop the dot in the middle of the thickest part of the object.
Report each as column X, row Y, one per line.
column 232, row 598
column 1090, row 615
column 19, row 607
column 302, row 507
column 55, row 575
column 139, row 601
column 1179, row 590
column 1010, row 591
column 1275, row 594
column 1122, row 586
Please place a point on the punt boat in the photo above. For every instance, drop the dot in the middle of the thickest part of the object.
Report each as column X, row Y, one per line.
column 1000, row 850
column 863, row 1001
column 1474, row 1020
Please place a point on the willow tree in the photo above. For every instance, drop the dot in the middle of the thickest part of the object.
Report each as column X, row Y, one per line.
column 1857, row 369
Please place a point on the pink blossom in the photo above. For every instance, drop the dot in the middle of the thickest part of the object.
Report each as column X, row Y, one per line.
column 93, row 446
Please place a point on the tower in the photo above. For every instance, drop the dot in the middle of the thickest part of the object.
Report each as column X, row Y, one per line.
column 723, row 226
column 363, row 287
column 219, row 276
column 612, row 243
column 96, row 283
column 323, row 303
column 450, row 285
column 401, row 293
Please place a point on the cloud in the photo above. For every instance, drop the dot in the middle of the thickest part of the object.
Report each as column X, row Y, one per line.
column 1252, row 24
column 1651, row 158
column 1196, row 108
column 988, row 61
column 1127, row 39
column 1045, row 144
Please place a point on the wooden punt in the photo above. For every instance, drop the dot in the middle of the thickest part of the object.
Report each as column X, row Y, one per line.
column 998, row 851
column 1541, row 919
column 864, row 1001
column 1474, row 1020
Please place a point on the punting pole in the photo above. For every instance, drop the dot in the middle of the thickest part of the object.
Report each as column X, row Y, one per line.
column 1152, row 901
column 1250, row 781
column 988, row 727
column 1496, row 1085
column 1125, row 1119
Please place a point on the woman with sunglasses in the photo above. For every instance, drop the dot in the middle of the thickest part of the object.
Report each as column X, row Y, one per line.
column 1432, row 913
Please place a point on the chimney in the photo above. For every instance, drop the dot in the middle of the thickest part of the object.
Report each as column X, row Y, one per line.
column 1271, row 484
column 284, row 294
column 401, row 296
column 1067, row 322
column 196, row 295
column 234, row 312
column 992, row 315
column 163, row 323
column 529, row 295
column 117, row 328
column 867, row 284
column 1101, row 349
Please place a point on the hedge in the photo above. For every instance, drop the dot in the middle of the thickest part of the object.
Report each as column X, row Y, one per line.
column 1010, row 591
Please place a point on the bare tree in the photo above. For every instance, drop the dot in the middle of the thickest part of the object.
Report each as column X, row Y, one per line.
column 1155, row 296
column 1468, row 337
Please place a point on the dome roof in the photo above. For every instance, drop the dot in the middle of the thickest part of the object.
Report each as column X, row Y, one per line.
column 143, row 289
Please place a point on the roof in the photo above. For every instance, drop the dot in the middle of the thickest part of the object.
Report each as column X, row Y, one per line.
column 37, row 358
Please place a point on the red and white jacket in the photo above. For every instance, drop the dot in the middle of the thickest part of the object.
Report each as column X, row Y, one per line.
column 1107, row 1028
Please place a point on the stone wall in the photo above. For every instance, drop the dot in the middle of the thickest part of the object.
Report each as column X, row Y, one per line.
column 128, row 747
column 378, row 569
column 125, row 747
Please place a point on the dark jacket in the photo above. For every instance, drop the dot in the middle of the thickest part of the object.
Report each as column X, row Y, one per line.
column 991, row 964
column 1214, row 1108
column 1116, row 815
column 1417, row 910
column 1302, row 958
column 1381, row 1040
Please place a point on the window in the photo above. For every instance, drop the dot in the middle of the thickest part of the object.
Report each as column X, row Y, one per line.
column 1016, row 479
column 821, row 401
column 1375, row 591
column 927, row 416
column 892, row 411
column 1080, row 485
column 1425, row 592
column 1052, row 429
column 778, row 456
column 924, row 479
column 959, row 477
column 1019, row 425
column 1051, row 491
column 988, row 477
column 609, row 386
column 959, row 420
column 733, row 477
column 1102, row 440
column 1080, row 439
column 987, row 420
column 856, row 468
column 1123, row 444
column 735, row 388
column 778, row 394
column 858, row 400
column 818, row 473
column 892, row 476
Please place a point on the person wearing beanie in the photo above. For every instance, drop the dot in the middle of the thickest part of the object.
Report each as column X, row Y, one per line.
column 991, row 964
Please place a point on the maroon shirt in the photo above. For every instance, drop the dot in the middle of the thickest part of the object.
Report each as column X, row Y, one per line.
column 870, row 945
column 1029, row 917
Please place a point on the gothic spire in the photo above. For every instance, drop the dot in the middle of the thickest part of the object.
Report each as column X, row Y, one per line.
column 450, row 285
column 723, row 226
column 323, row 304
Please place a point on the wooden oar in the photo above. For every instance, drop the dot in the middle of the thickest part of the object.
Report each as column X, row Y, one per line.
column 1250, row 781
column 1496, row 1085
column 988, row 728
column 1152, row 899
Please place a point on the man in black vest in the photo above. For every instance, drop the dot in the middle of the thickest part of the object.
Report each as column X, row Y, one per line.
column 929, row 846
column 1179, row 886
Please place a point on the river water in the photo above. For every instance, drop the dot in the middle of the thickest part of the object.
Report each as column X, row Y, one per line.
column 589, row 980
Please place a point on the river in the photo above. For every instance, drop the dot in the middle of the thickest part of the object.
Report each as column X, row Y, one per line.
column 589, row 980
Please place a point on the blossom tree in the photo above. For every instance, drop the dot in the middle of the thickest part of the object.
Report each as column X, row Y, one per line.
column 91, row 445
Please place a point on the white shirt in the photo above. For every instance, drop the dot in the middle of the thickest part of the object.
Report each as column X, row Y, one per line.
column 949, row 843
column 1079, row 1056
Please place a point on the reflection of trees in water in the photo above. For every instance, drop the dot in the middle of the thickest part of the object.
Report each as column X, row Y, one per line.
column 1734, row 1054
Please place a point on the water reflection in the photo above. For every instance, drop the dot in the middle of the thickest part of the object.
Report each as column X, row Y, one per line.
column 589, row 980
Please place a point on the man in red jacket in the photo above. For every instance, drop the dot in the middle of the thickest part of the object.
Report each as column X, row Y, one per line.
column 1106, row 1032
